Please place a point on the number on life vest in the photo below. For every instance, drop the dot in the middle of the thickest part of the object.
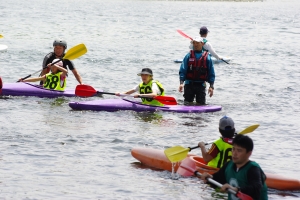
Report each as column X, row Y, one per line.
column 52, row 83
column 146, row 90
column 225, row 157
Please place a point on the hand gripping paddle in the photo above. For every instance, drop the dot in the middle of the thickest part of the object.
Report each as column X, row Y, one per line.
column 73, row 53
column 188, row 168
column 88, row 91
column 178, row 153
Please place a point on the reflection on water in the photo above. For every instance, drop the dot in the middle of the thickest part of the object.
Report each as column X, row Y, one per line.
column 154, row 117
column 59, row 101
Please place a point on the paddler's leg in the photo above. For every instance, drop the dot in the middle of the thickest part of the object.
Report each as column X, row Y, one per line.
column 189, row 94
column 200, row 93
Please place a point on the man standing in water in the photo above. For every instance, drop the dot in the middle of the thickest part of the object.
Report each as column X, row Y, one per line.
column 196, row 69
column 241, row 174
column 58, row 52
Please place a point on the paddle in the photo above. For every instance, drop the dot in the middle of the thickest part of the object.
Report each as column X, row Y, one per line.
column 88, row 91
column 188, row 168
column 186, row 36
column 73, row 53
column 178, row 153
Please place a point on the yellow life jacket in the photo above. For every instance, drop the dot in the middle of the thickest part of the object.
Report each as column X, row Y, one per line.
column 224, row 155
column 54, row 82
column 147, row 89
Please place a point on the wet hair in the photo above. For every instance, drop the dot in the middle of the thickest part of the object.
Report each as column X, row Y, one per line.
column 227, row 133
column 243, row 141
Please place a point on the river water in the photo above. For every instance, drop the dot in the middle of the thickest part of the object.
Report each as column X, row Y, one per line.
column 48, row 151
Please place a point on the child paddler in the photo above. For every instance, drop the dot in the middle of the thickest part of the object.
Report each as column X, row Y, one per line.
column 221, row 150
column 148, row 88
column 55, row 79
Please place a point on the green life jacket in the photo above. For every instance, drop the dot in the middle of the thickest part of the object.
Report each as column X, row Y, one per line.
column 54, row 82
column 239, row 179
column 224, row 155
column 147, row 89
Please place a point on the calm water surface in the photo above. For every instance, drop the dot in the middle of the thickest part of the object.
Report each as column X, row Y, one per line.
column 48, row 151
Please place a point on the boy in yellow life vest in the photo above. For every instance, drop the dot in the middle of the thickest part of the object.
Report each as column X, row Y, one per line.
column 55, row 79
column 149, row 88
column 221, row 150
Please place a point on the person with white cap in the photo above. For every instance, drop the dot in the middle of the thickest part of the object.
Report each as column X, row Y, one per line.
column 55, row 79
column 59, row 47
column 220, row 151
column 207, row 46
column 148, row 87
column 196, row 69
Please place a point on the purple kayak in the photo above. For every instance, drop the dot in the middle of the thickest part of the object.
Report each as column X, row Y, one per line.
column 124, row 104
column 27, row 89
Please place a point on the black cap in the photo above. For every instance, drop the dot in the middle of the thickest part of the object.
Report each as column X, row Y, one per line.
column 203, row 30
column 146, row 71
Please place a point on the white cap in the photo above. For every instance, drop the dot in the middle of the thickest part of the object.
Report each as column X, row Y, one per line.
column 198, row 39
column 60, row 63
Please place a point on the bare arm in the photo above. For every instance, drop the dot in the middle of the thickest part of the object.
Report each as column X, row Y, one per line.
column 63, row 70
column 129, row 92
column 77, row 76
column 42, row 78
column 205, row 154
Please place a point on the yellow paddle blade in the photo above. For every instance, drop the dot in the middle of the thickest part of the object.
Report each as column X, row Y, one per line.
column 177, row 153
column 249, row 129
column 75, row 52
column 1, row 36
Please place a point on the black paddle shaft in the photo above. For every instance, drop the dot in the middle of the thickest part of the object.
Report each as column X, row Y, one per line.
column 26, row 77
column 191, row 148
column 225, row 61
column 106, row 93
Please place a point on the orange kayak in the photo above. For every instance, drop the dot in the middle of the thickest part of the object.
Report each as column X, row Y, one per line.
column 157, row 159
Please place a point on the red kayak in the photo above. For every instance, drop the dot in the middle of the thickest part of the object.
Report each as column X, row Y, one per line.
column 157, row 159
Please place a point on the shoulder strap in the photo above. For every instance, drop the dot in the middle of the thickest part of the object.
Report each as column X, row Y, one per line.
column 192, row 54
column 158, row 85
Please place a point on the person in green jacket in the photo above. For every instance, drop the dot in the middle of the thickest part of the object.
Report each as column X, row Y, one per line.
column 241, row 174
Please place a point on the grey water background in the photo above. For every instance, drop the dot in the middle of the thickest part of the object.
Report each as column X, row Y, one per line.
column 48, row 151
